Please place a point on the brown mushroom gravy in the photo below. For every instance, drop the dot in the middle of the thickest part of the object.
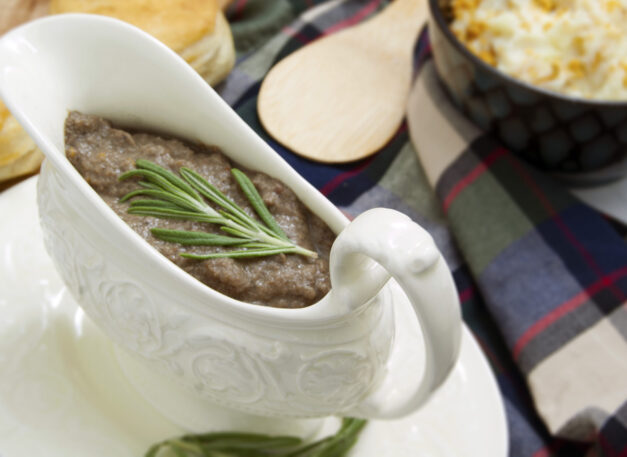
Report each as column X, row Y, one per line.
column 102, row 152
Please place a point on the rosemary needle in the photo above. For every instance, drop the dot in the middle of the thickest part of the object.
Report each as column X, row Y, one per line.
column 256, row 445
column 163, row 194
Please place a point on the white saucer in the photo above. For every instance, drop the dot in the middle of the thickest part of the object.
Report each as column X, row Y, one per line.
column 62, row 392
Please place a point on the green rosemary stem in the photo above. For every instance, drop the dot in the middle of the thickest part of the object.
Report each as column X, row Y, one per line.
column 163, row 194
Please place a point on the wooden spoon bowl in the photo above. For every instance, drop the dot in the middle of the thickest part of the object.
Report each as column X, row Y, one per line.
column 343, row 97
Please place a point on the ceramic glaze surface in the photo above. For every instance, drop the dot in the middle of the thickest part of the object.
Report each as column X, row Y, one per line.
column 63, row 393
column 338, row 356
column 235, row 364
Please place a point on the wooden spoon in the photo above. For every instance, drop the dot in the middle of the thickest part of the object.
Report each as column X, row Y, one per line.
column 343, row 97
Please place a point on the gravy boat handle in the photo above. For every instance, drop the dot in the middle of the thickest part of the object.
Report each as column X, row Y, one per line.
column 386, row 238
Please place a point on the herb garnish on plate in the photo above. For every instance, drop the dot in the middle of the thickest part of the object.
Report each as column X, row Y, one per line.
column 256, row 445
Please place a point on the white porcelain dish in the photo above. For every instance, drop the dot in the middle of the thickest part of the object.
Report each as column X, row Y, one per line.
column 63, row 394
column 338, row 356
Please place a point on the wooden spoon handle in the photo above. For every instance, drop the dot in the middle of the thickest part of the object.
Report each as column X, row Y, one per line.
column 406, row 16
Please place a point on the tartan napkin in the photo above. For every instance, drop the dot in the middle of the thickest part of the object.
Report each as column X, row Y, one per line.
column 542, row 278
column 551, row 271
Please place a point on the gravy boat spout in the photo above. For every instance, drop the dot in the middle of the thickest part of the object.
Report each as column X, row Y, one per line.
column 338, row 356
column 105, row 67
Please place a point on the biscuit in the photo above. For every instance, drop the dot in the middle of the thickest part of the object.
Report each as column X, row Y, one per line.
column 15, row 12
column 18, row 153
column 195, row 29
column 176, row 23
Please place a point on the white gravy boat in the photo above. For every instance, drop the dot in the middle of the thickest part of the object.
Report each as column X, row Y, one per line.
column 334, row 357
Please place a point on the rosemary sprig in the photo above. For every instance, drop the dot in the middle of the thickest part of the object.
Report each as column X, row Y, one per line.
column 256, row 445
column 163, row 194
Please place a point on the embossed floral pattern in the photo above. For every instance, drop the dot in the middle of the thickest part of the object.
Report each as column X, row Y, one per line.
column 132, row 315
column 221, row 360
column 225, row 370
column 337, row 378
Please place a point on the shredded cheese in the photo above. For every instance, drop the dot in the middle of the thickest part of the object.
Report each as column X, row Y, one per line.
column 577, row 47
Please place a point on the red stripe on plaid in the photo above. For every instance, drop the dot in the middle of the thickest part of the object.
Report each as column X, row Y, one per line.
column 238, row 9
column 552, row 448
column 562, row 226
column 355, row 18
column 608, row 449
column 544, row 452
column 466, row 294
column 335, row 182
column 295, row 33
column 339, row 179
column 473, row 175
column 369, row 8
column 566, row 308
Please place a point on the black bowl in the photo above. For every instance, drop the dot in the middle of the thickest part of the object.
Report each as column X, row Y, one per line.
column 583, row 141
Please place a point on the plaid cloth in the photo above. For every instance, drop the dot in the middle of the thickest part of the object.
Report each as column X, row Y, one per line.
column 542, row 278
